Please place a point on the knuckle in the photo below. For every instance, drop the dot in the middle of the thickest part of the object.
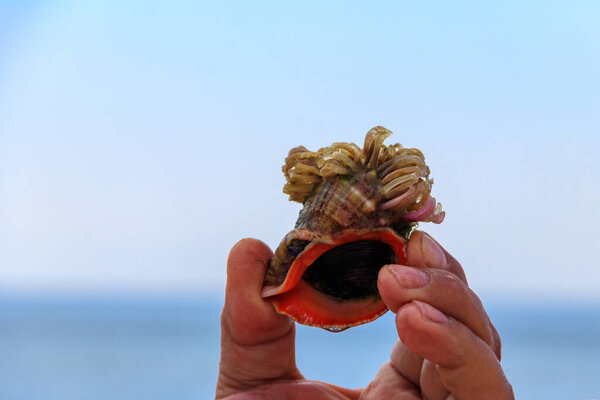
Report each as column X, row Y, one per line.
column 453, row 262
column 457, row 355
column 496, row 343
column 450, row 280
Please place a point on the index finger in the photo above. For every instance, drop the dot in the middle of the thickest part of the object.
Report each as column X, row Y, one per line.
column 425, row 252
column 422, row 251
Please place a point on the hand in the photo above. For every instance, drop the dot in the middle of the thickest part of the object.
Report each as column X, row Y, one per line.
column 448, row 348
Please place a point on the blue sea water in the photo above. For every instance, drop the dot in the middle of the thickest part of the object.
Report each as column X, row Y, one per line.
column 92, row 349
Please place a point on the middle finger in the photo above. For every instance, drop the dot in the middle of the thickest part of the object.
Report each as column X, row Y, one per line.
column 441, row 289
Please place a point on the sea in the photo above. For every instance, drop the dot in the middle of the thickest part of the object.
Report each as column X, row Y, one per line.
column 98, row 348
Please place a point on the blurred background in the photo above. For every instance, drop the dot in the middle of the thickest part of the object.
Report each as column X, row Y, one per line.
column 140, row 140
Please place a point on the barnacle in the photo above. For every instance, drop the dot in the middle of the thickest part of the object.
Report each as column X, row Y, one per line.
column 403, row 172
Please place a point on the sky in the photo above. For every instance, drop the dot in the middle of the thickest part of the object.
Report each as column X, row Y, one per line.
column 140, row 141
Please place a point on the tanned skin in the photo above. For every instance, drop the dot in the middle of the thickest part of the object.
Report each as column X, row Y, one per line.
column 447, row 349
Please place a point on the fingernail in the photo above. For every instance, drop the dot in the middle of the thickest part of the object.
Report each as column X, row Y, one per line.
column 408, row 277
column 433, row 254
column 430, row 313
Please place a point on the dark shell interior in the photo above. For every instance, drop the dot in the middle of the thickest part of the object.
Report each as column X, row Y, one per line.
column 349, row 271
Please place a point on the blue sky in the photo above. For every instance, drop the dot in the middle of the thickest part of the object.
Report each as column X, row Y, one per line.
column 139, row 142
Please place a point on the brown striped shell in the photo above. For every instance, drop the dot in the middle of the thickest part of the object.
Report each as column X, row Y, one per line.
column 348, row 193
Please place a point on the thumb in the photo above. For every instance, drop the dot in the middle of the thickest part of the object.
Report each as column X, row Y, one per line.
column 251, row 320
column 257, row 344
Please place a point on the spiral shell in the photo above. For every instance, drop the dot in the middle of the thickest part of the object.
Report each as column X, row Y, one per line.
column 365, row 201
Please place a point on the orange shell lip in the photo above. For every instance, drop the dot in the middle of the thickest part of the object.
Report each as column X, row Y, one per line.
column 299, row 300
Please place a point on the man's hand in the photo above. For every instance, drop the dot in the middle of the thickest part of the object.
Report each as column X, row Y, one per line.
column 448, row 348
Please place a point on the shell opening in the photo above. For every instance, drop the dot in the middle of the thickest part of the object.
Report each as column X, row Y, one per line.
column 349, row 271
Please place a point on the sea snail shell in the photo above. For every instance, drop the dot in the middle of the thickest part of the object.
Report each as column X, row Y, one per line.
column 360, row 206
